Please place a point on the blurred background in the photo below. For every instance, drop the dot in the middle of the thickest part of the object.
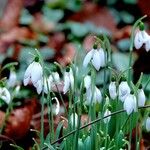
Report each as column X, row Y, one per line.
column 62, row 30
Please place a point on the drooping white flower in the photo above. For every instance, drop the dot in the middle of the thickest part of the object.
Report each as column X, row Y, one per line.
column 5, row 95
column 130, row 104
column 97, row 95
column 124, row 90
column 12, row 79
column 141, row 97
column 74, row 120
column 140, row 38
column 112, row 90
column 39, row 85
column 107, row 112
column 53, row 79
column 93, row 98
column 96, row 56
column 68, row 80
column 57, row 106
column 147, row 44
column 148, row 124
column 33, row 73
column 87, row 81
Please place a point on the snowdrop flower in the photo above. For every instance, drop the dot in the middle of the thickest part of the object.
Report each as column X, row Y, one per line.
column 56, row 108
column 112, row 89
column 74, row 120
column 5, row 95
column 124, row 90
column 96, row 56
column 53, row 79
column 87, row 81
column 39, row 85
column 68, row 80
column 33, row 73
column 148, row 124
column 107, row 112
column 147, row 44
column 12, row 79
column 141, row 97
column 97, row 96
column 130, row 104
column 141, row 37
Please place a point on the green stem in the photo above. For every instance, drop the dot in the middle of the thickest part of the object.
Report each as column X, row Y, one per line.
column 94, row 121
column 42, row 120
column 132, row 44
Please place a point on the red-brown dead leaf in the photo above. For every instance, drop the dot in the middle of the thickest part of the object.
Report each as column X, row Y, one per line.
column 97, row 15
column 40, row 25
column 18, row 123
column 16, row 34
column 11, row 14
column 57, row 41
column 68, row 55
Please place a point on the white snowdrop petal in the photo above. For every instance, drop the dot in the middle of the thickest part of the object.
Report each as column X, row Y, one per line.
column 6, row 95
column 56, row 77
column 26, row 81
column 66, row 83
column 36, row 72
column 96, row 60
column 87, row 81
column 107, row 112
column 39, row 86
column 102, row 57
column 147, row 44
column 97, row 95
column 138, row 40
column 88, row 96
column 130, row 104
column 148, row 124
column 112, row 90
column 12, row 79
column 141, row 98
column 88, row 58
column 57, row 108
column 28, row 71
column 124, row 90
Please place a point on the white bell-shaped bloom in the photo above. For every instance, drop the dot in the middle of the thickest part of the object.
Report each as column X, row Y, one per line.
column 112, row 90
column 97, row 95
column 39, row 86
column 74, row 120
column 147, row 44
column 33, row 73
column 124, row 90
column 68, row 81
column 97, row 57
column 56, row 108
column 140, row 38
column 130, row 104
column 141, row 97
column 12, row 79
column 53, row 79
column 148, row 124
column 107, row 112
column 87, row 81
column 5, row 95
column 92, row 98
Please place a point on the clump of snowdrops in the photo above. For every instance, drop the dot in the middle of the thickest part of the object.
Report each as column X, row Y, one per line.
column 113, row 109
